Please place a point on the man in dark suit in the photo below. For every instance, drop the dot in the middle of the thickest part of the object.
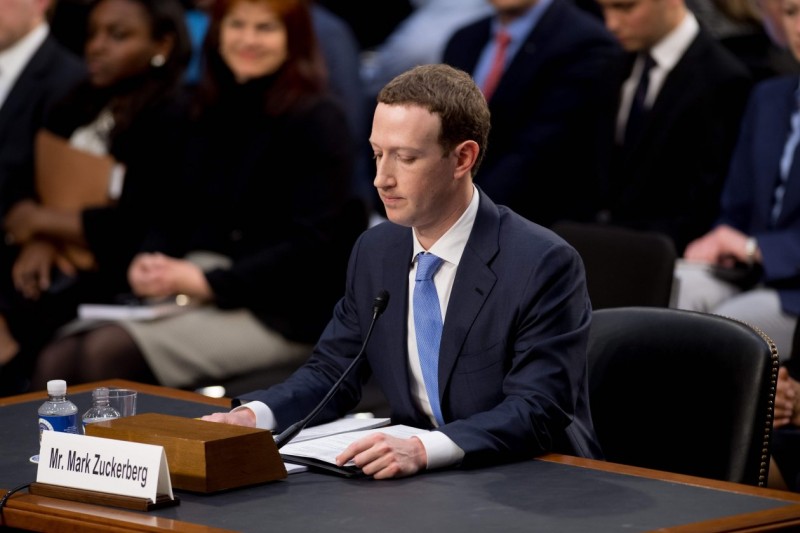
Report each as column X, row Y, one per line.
column 759, row 223
column 510, row 377
column 552, row 109
column 35, row 71
column 670, row 162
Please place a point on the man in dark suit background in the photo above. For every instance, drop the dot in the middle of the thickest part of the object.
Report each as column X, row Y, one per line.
column 552, row 109
column 759, row 222
column 669, row 167
column 35, row 72
column 511, row 380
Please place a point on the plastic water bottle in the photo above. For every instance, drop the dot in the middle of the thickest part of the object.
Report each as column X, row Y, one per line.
column 100, row 410
column 58, row 413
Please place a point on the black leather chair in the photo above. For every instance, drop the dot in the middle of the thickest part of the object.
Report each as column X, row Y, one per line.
column 624, row 267
column 684, row 392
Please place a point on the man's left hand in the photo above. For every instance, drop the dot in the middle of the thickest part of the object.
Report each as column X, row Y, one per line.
column 383, row 456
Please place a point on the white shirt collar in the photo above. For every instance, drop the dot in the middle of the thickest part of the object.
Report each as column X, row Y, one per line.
column 669, row 50
column 14, row 59
column 451, row 245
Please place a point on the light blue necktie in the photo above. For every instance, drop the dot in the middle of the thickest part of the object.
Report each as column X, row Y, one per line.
column 428, row 323
column 786, row 165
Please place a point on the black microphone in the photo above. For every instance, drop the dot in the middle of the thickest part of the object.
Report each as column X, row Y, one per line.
column 378, row 306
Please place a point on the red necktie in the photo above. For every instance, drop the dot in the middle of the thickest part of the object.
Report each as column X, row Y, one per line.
column 498, row 64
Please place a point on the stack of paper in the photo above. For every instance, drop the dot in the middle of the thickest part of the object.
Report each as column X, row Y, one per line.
column 130, row 311
column 321, row 452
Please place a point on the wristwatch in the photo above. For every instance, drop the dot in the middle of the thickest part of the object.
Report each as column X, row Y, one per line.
column 750, row 249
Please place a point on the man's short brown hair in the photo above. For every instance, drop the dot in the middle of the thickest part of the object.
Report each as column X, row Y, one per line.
column 450, row 93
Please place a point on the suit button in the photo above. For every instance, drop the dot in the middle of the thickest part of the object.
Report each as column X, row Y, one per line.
column 236, row 235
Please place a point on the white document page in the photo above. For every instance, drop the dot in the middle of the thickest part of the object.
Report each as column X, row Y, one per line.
column 327, row 448
column 342, row 425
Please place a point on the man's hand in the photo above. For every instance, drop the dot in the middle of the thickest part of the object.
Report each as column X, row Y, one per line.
column 240, row 417
column 723, row 245
column 383, row 456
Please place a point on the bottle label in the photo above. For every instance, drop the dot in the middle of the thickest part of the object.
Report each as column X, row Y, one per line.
column 63, row 423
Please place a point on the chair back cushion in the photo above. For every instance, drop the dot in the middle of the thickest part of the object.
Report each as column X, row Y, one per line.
column 683, row 392
column 624, row 267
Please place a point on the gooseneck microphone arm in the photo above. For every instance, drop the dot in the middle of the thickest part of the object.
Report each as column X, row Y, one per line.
column 378, row 306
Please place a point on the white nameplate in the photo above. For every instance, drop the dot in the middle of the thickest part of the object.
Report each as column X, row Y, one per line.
column 103, row 465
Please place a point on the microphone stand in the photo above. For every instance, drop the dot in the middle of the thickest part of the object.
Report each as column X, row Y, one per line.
column 379, row 304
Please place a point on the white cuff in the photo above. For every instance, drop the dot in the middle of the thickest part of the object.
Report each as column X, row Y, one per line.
column 441, row 451
column 265, row 419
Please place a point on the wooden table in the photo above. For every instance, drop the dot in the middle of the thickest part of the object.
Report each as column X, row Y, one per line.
column 551, row 493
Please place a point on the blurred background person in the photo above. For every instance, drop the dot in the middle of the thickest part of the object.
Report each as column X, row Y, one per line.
column 250, row 220
column 551, row 99
column 35, row 72
column 681, row 98
column 745, row 267
column 341, row 53
column 197, row 15
column 130, row 108
column 758, row 231
column 781, row 247
column 751, row 30
column 419, row 39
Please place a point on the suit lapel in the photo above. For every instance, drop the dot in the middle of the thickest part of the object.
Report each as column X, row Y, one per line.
column 678, row 80
column 473, row 284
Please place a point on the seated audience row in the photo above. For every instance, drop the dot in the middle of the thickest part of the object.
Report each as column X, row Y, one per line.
column 214, row 200
column 129, row 108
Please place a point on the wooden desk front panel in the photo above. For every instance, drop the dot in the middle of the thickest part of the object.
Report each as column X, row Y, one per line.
column 555, row 494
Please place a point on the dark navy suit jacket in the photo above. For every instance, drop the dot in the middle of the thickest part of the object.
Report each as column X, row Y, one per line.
column 747, row 199
column 552, row 114
column 51, row 72
column 512, row 374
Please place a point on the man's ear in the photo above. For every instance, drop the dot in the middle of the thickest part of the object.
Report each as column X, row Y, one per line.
column 466, row 155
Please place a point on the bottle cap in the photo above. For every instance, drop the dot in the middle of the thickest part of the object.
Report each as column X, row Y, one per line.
column 56, row 387
column 100, row 393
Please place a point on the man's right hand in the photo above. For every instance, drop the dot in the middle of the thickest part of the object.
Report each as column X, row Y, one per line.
column 239, row 417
